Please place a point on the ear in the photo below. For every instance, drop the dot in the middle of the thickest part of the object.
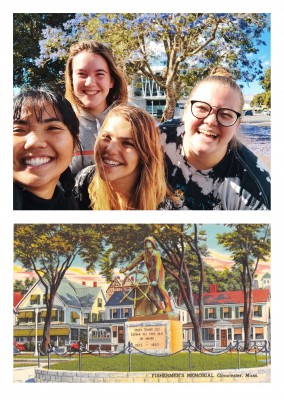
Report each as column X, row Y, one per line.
column 111, row 85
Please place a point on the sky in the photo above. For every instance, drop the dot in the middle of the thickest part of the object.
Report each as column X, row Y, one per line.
column 265, row 55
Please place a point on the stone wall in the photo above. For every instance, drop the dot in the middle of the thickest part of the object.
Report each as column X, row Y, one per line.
column 255, row 375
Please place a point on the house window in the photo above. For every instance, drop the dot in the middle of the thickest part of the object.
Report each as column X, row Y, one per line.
column 127, row 312
column 227, row 312
column 238, row 334
column 114, row 313
column 86, row 318
column 35, row 299
column 61, row 315
column 94, row 317
column 217, row 334
column 114, row 331
column 257, row 311
column 74, row 316
column 100, row 302
column 210, row 313
column 208, row 334
column 259, row 333
column 229, row 334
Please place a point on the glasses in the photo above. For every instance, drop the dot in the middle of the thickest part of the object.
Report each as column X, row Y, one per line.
column 225, row 116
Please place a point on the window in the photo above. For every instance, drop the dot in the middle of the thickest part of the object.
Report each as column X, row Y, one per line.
column 238, row 334
column 86, row 318
column 208, row 334
column 257, row 311
column 226, row 312
column 94, row 317
column 100, row 302
column 210, row 313
column 61, row 315
column 127, row 312
column 229, row 334
column 35, row 299
column 259, row 333
column 217, row 334
column 114, row 331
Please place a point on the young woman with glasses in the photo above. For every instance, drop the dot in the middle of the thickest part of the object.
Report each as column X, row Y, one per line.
column 205, row 161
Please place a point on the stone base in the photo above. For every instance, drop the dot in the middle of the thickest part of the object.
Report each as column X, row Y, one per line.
column 155, row 334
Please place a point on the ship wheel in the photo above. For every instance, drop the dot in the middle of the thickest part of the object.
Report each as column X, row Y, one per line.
column 135, row 286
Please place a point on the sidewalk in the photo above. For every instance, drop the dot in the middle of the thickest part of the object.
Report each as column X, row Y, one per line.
column 24, row 374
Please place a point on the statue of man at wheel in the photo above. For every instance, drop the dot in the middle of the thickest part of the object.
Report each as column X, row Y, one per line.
column 156, row 272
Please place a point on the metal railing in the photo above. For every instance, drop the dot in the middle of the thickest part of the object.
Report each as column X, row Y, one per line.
column 238, row 347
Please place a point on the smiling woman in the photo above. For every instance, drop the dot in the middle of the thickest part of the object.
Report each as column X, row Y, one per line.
column 129, row 172
column 205, row 161
column 45, row 132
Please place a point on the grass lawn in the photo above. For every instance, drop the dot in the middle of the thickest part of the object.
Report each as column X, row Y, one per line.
column 178, row 362
column 20, row 365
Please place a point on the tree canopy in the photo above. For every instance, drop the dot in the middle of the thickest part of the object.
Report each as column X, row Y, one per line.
column 264, row 99
column 187, row 45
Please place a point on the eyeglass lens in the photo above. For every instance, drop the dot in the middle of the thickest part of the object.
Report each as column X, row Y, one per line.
column 225, row 116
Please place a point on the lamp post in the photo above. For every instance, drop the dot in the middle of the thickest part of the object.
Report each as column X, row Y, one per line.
column 36, row 320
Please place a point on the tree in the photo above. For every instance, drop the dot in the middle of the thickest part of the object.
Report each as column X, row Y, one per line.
column 264, row 99
column 49, row 250
column 23, row 286
column 187, row 45
column 27, row 31
column 249, row 243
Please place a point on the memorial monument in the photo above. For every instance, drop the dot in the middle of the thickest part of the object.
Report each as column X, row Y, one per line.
column 155, row 328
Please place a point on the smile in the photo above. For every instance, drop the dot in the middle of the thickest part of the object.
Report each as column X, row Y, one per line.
column 208, row 134
column 37, row 161
column 91, row 92
column 112, row 163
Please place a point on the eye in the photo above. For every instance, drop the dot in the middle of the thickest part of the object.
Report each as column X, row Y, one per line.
column 227, row 114
column 105, row 137
column 55, row 127
column 18, row 130
column 128, row 143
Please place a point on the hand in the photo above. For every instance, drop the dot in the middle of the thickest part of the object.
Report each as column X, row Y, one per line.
column 154, row 283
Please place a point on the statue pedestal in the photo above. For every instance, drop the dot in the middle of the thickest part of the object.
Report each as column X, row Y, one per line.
column 154, row 334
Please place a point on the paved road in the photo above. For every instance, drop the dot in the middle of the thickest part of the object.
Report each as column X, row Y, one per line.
column 24, row 374
column 260, row 119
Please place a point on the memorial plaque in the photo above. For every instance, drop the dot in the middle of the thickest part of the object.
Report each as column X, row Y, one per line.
column 148, row 337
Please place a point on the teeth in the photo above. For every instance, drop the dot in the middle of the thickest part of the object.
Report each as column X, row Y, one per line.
column 88, row 92
column 208, row 133
column 111, row 162
column 37, row 161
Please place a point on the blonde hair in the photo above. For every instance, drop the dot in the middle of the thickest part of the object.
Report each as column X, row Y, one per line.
column 221, row 75
column 151, row 188
column 118, row 93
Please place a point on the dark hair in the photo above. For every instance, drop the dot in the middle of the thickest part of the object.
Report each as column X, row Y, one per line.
column 35, row 99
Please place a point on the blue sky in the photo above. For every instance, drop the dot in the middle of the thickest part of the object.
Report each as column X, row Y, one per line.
column 265, row 55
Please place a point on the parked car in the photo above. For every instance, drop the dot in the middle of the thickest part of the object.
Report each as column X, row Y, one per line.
column 266, row 112
column 15, row 350
column 248, row 112
column 20, row 346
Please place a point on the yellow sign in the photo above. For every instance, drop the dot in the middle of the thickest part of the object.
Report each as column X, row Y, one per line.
column 148, row 337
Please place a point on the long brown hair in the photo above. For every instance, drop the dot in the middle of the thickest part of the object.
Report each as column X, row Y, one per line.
column 151, row 188
column 118, row 93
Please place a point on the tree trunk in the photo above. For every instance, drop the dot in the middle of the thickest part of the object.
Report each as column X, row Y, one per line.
column 171, row 101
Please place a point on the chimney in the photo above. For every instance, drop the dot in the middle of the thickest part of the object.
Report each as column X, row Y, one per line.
column 95, row 284
column 213, row 288
column 84, row 283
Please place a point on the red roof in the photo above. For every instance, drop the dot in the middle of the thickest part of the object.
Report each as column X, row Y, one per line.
column 233, row 297
column 17, row 298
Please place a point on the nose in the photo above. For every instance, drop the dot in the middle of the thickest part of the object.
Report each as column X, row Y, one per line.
column 112, row 147
column 35, row 140
column 89, row 81
column 212, row 118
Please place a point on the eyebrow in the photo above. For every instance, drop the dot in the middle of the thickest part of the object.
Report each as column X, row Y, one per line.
column 44, row 121
column 120, row 138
